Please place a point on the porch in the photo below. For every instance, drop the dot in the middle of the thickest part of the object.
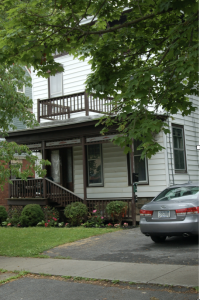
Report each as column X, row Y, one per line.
column 46, row 192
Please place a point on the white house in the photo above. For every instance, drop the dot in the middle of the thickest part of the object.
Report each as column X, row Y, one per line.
column 86, row 163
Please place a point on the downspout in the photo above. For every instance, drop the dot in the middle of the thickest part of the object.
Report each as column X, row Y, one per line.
column 166, row 160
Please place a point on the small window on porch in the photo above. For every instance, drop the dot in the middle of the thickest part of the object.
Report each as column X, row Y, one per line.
column 140, row 165
column 94, row 165
column 56, row 85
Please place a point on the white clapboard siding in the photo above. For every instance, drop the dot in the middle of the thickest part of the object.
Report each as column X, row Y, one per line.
column 78, row 170
column 115, row 172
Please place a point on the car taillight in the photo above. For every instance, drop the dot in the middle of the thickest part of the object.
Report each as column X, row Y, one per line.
column 189, row 211
column 146, row 213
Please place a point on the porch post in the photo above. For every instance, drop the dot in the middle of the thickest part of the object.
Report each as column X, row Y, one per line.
column 86, row 105
column 84, row 168
column 38, row 110
column 44, row 167
column 9, row 185
column 133, row 206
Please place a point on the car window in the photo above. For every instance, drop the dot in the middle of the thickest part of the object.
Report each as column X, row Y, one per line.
column 176, row 192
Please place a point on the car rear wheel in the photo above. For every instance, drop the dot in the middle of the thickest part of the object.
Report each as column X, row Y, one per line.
column 158, row 239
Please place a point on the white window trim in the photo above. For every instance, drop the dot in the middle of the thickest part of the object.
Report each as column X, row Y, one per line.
column 95, row 184
column 49, row 82
column 22, row 92
column 179, row 171
column 146, row 170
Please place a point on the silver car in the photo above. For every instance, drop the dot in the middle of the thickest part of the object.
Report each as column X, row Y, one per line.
column 174, row 212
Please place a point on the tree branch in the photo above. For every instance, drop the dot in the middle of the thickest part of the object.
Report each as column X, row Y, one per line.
column 128, row 23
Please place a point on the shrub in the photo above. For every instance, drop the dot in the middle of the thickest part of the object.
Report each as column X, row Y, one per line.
column 75, row 212
column 31, row 215
column 51, row 213
column 14, row 216
column 95, row 219
column 117, row 209
column 3, row 214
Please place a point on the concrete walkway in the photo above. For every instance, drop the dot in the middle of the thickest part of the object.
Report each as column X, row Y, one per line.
column 142, row 273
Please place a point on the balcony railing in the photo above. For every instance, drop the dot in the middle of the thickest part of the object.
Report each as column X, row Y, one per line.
column 61, row 108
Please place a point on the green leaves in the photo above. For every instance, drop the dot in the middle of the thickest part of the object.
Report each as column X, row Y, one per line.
column 145, row 57
column 15, row 105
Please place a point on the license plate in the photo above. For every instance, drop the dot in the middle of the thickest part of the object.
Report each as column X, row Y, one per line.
column 163, row 214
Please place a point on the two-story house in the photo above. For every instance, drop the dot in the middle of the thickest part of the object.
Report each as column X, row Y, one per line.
column 86, row 166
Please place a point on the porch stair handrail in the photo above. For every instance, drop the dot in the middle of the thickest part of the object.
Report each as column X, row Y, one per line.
column 59, row 194
column 63, row 188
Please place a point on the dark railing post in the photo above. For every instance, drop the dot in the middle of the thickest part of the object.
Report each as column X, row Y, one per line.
column 44, row 167
column 86, row 105
column 133, row 206
column 44, row 188
column 68, row 112
column 38, row 110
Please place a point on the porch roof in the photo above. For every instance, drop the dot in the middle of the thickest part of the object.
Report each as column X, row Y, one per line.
column 56, row 130
column 83, row 126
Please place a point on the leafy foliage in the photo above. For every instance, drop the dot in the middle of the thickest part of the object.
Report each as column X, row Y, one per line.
column 144, row 56
column 31, row 215
column 94, row 219
column 14, row 104
column 51, row 213
column 3, row 214
column 116, row 209
column 75, row 212
column 14, row 216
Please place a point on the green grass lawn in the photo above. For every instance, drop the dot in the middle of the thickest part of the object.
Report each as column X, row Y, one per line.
column 34, row 240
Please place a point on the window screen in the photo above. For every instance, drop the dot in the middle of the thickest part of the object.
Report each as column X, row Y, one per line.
column 56, row 85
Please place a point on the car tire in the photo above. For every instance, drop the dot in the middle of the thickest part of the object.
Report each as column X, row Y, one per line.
column 158, row 239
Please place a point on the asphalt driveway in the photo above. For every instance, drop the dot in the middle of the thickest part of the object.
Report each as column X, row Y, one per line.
column 130, row 245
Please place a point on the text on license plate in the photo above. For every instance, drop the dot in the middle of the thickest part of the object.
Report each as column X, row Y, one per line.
column 164, row 214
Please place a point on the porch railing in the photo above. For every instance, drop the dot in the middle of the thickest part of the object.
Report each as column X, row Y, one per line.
column 57, row 194
column 101, row 204
column 42, row 188
column 61, row 108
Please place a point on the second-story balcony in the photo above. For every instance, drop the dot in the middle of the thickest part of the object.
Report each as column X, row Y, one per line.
column 61, row 108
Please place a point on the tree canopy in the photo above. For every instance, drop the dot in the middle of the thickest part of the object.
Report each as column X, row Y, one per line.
column 15, row 105
column 144, row 54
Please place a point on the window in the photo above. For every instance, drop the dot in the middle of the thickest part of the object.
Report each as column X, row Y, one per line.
column 179, row 148
column 56, row 85
column 94, row 165
column 21, row 90
column 140, row 165
column 18, row 164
